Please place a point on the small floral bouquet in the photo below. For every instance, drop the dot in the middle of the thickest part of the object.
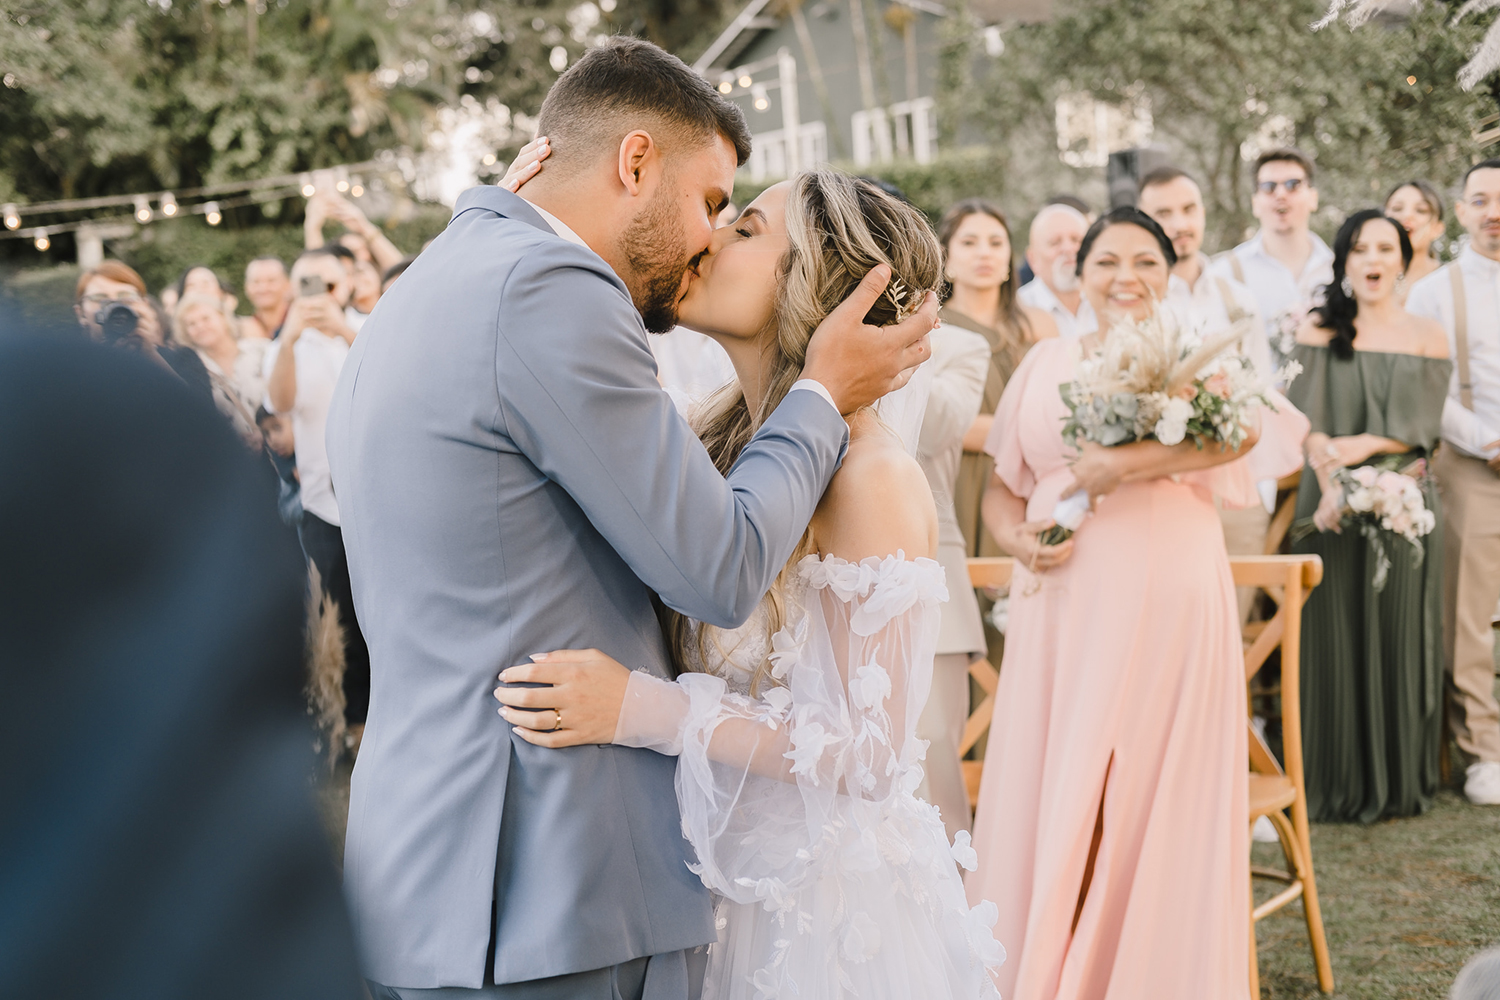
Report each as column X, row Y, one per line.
column 1156, row 379
column 1378, row 498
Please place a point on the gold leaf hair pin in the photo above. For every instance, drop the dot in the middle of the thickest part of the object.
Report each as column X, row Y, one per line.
column 901, row 298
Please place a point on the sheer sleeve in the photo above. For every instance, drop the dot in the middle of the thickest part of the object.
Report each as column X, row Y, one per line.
column 765, row 782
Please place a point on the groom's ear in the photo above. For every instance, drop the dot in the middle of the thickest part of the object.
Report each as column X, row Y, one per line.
column 639, row 158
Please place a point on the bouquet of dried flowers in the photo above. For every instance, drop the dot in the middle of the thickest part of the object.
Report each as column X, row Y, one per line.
column 1157, row 379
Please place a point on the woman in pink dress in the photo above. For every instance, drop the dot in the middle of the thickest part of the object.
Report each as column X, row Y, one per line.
column 1112, row 826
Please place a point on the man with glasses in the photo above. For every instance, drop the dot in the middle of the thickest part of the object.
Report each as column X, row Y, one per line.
column 1285, row 262
column 1465, row 297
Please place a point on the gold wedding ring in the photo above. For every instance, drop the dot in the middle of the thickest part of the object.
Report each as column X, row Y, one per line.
column 557, row 723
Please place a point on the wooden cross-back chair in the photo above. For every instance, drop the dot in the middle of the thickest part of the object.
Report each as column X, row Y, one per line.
column 1277, row 792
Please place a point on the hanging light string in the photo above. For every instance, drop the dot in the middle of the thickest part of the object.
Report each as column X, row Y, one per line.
column 213, row 211
column 169, row 203
column 300, row 179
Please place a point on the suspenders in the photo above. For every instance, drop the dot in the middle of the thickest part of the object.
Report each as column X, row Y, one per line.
column 1232, row 308
column 1461, row 335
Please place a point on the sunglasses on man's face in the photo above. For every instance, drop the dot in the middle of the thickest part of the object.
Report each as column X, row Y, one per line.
column 1289, row 185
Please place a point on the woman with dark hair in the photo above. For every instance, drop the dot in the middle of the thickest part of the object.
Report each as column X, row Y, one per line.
column 978, row 268
column 1115, row 780
column 1418, row 207
column 980, row 275
column 1373, row 384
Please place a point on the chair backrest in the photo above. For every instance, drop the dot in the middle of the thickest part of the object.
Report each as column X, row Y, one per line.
column 1287, row 579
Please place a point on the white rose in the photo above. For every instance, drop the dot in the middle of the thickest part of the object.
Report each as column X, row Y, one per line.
column 1171, row 428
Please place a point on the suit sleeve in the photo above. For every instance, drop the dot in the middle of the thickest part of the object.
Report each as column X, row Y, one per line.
column 579, row 398
column 962, row 361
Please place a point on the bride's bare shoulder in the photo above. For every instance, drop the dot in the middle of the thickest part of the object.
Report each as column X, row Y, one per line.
column 878, row 502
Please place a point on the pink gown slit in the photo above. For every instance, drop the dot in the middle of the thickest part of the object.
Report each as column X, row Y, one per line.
column 1125, row 661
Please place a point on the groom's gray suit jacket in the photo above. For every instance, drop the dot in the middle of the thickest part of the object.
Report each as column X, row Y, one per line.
column 511, row 479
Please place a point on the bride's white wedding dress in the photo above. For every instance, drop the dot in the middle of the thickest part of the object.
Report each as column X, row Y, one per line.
column 833, row 879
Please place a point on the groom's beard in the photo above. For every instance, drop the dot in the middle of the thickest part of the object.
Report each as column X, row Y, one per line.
column 654, row 251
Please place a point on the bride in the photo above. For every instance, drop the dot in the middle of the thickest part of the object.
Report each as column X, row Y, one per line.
column 795, row 733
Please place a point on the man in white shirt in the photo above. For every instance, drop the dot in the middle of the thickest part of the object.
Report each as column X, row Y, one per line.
column 1465, row 297
column 1052, row 251
column 1285, row 263
column 302, row 367
column 1212, row 303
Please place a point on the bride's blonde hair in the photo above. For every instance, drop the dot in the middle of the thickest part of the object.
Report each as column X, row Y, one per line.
column 838, row 228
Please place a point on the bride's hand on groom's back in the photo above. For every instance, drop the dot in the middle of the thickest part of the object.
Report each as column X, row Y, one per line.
column 858, row 363
column 580, row 705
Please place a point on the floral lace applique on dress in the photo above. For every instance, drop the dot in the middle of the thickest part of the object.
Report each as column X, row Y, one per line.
column 834, row 879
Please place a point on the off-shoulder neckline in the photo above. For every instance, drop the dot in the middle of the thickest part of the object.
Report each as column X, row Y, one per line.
column 1378, row 354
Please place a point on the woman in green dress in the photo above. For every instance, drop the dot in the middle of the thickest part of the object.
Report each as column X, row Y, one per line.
column 1373, row 384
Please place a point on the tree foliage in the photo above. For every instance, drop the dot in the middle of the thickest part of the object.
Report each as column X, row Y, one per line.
column 1220, row 73
column 115, row 96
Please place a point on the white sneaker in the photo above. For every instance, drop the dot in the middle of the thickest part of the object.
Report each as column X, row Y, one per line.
column 1263, row 832
column 1482, row 785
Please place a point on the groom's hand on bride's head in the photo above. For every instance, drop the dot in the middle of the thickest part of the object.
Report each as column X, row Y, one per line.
column 858, row 363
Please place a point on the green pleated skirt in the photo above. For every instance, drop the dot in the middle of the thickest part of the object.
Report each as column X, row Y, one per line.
column 1372, row 672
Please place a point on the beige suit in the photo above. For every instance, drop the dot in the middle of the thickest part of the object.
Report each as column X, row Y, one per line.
column 1471, row 494
column 960, row 361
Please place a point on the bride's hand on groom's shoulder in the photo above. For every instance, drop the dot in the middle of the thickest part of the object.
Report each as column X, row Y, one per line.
column 527, row 164
column 581, row 703
column 858, row 363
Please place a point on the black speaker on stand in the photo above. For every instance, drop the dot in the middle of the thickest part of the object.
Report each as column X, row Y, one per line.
column 1127, row 167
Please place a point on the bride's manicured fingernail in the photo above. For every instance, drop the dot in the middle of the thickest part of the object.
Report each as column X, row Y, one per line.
column 538, row 657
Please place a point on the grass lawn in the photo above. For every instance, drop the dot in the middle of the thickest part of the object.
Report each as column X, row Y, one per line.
column 1405, row 902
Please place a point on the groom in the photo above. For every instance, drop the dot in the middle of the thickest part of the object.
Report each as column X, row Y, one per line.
column 512, row 479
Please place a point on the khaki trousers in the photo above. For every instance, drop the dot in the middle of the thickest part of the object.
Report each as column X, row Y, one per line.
column 942, row 726
column 1471, row 552
column 1245, row 535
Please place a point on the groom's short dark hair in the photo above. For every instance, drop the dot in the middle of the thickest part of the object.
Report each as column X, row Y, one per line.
column 624, row 84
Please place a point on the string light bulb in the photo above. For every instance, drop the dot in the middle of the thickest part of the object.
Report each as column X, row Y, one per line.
column 12, row 217
column 41, row 241
column 212, row 214
column 762, row 99
column 142, row 210
column 745, row 79
column 168, row 204
column 357, row 189
column 726, row 85
column 306, row 184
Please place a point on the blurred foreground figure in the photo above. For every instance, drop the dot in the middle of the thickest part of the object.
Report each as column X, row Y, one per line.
column 157, row 836
column 1479, row 979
